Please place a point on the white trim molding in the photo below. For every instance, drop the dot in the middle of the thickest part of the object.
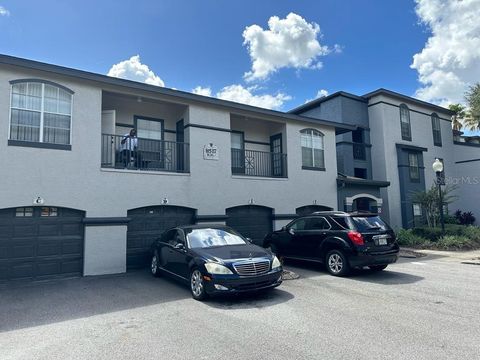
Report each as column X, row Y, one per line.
column 349, row 200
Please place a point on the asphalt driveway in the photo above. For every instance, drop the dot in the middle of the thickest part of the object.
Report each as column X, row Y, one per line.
column 424, row 308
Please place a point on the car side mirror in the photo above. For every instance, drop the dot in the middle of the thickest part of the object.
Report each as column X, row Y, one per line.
column 179, row 246
column 284, row 228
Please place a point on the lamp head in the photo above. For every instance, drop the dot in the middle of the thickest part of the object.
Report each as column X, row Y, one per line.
column 437, row 166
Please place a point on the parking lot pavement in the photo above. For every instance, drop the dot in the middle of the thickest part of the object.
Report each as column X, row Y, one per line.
column 423, row 308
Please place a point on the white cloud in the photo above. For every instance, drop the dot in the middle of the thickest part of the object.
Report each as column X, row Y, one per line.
column 243, row 95
column 450, row 60
column 320, row 93
column 240, row 94
column 133, row 69
column 289, row 42
column 4, row 12
column 205, row 91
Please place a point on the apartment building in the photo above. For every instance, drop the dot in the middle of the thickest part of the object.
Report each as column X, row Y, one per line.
column 81, row 198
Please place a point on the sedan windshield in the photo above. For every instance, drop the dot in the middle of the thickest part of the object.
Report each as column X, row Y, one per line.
column 205, row 238
column 367, row 223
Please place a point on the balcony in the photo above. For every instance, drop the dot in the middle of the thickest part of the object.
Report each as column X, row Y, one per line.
column 259, row 163
column 144, row 154
column 359, row 151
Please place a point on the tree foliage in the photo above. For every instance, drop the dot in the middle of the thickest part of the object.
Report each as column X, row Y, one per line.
column 473, row 99
column 430, row 202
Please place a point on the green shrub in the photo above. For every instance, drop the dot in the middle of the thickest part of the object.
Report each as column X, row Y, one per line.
column 434, row 234
column 431, row 234
column 408, row 238
column 472, row 232
column 452, row 242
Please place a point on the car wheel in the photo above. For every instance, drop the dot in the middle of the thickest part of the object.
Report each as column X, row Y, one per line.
column 197, row 287
column 337, row 263
column 377, row 267
column 154, row 266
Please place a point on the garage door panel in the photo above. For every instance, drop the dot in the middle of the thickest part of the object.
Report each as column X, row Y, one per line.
column 22, row 230
column 71, row 229
column 23, row 249
column 72, row 266
column 49, row 248
column 48, row 229
column 22, row 270
column 51, row 267
column 147, row 225
column 72, row 247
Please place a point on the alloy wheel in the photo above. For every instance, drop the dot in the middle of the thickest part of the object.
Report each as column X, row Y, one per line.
column 335, row 263
column 154, row 265
column 196, row 283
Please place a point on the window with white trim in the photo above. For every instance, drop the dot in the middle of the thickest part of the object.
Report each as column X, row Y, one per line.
column 40, row 112
column 414, row 167
column 312, row 149
column 437, row 130
column 405, row 123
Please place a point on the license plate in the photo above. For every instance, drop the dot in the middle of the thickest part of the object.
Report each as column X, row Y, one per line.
column 382, row 241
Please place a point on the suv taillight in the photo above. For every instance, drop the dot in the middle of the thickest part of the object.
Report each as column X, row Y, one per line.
column 356, row 237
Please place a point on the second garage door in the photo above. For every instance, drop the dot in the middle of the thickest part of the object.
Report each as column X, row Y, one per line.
column 251, row 221
column 147, row 224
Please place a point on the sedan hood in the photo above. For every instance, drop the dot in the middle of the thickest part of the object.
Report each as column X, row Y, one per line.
column 233, row 252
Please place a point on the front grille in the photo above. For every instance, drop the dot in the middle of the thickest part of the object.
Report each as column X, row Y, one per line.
column 252, row 267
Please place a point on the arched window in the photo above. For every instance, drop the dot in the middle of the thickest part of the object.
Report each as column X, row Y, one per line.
column 312, row 149
column 437, row 131
column 405, row 122
column 40, row 112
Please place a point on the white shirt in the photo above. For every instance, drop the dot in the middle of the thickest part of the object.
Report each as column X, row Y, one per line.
column 130, row 143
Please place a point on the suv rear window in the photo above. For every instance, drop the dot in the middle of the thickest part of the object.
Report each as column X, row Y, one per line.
column 368, row 223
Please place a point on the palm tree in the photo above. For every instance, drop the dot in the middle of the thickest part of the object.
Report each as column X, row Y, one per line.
column 459, row 115
column 472, row 121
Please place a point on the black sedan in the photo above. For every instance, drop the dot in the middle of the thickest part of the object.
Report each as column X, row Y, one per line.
column 214, row 259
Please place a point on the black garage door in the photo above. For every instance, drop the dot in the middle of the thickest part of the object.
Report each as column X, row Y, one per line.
column 38, row 243
column 251, row 221
column 147, row 224
column 308, row 209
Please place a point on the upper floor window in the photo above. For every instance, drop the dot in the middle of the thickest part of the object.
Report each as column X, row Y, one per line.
column 405, row 122
column 414, row 167
column 437, row 131
column 40, row 112
column 312, row 149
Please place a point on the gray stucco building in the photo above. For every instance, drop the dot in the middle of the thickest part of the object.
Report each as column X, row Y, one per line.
column 81, row 197
column 78, row 200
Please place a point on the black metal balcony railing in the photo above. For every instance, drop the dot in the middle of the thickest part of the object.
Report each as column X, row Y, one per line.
column 259, row 163
column 144, row 154
column 359, row 151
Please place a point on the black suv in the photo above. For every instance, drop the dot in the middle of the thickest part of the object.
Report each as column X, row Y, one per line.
column 340, row 240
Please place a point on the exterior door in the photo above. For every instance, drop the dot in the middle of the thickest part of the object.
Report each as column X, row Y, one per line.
column 238, row 153
column 180, row 154
column 251, row 221
column 147, row 224
column 277, row 159
column 316, row 231
column 38, row 243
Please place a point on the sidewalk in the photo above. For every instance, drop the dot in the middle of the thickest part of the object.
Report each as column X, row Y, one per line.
column 466, row 257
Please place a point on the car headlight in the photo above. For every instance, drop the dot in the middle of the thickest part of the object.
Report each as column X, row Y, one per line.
column 214, row 268
column 276, row 263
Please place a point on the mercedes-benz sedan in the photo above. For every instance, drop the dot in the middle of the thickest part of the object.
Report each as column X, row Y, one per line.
column 214, row 259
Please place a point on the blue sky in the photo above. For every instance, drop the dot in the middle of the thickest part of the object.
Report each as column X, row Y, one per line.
column 200, row 43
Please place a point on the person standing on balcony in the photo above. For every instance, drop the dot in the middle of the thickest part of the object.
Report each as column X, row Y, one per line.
column 128, row 147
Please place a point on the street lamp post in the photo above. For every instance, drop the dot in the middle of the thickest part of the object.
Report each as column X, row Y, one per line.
column 438, row 168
